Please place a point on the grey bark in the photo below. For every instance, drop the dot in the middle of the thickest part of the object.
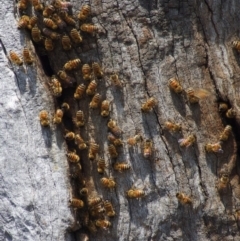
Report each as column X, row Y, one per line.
column 147, row 42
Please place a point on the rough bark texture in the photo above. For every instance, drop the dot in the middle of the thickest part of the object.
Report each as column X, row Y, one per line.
column 147, row 43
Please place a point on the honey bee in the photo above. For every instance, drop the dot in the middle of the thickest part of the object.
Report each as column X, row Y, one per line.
column 73, row 157
column 108, row 182
column 188, row 141
column 84, row 12
column 93, row 150
column 22, row 4
column 89, row 28
column 84, row 191
column 149, row 105
column 97, row 70
column 95, row 101
column 147, row 148
column 172, row 127
column 62, row 5
column 79, row 120
column 44, row 119
column 236, row 45
column 76, row 203
column 51, row 34
column 23, row 21
column 72, row 64
column 223, row 182
column 194, row 95
column 50, row 23
column 231, row 113
column 15, row 58
column 80, row 142
column 105, row 106
column 86, row 71
column 222, row 107
column 32, row 22
column 102, row 223
column 101, row 165
column 112, row 125
column 97, row 210
column 65, row 107
column 48, row 11
column 91, row 89
column 216, row 147
column 135, row 193
column 94, row 201
column 69, row 135
column 115, row 80
column 226, row 133
column 37, row 5
column 75, row 35
column 48, row 44
column 183, row 198
column 36, row 34
column 79, row 91
column 109, row 209
column 115, row 141
column 55, row 86
column 27, row 58
column 58, row 116
column 112, row 151
column 59, row 22
column 66, row 78
column 237, row 215
column 69, row 20
column 66, row 42
column 175, row 85
column 120, row 167
column 134, row 140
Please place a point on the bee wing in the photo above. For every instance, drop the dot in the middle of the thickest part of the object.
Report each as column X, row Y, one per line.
column 181, row 141
column 201, row 93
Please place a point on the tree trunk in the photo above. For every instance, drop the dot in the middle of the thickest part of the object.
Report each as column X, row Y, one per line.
column 146, row 43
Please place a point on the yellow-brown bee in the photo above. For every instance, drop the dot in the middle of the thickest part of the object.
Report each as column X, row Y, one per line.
column 48, row 11
column 92, row 87
column 97, row 210
column 194, row 95
column 105, row 106
column 83, row 191
column 57, row 119
column 75, row 35
column 66, row 42
column 15, row 58
column 65, row 107
column 147, row 148
column 62, row 5
column 51, row 34
column 23, row 21
column 80, row 142
column 222, row 107
column 94, row 201
column 112, row 151
column 149, row 104
column 55, row 86
column 86, row 71
column 89, row 28
column 79, row 119
column 120, row 166
column 112, row 125
column 231, row 113
column 175, row 86
column 72, row 64
column 135, row 193
column 115, row 80
column 226, row 133
column 73, row 157
column 108, row 182
column 37, row 5
column 32, row 22
column 50, row 23
column 183, row 198
column 237, row 215
column 134, row 140
column 101, row 165
column 66, row 78
column 188, row 141
column 223, row 182
column 236, row 45
column 216, row 147
column 79, row 91
column 97, row 70
column 68, row 19
column 93, row 151
column 103, row 223
column 76, row 203
column 109, row 209
column 172, row 127
column 115, row 141
column 48, row 44
column 44, row 119
column 95, row 101
column 59, row 22
column 36, row 34
column 84, row 12
column 27, row 58
column 69, row 135
column 22, row 4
